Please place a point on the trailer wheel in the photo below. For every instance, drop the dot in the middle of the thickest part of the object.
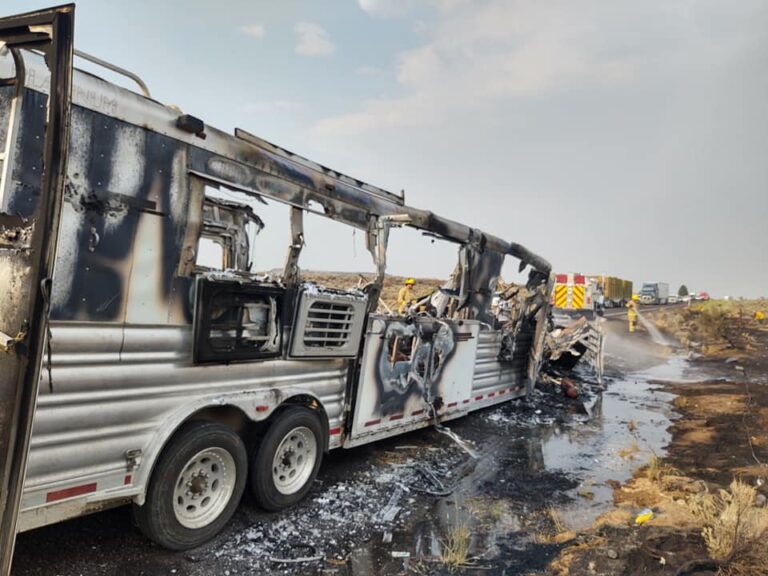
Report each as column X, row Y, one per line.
column 195, row 487
column 287, row 459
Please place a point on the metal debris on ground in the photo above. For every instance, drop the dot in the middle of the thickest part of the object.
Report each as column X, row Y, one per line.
column 389, row 512
column 451, row 434
column 455, row 437
column 312, row 555
column 340, row 515
column 566, row 346
column 437, row 487
column 397, row 554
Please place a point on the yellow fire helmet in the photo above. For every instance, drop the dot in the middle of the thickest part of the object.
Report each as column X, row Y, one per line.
column 635, row 297
column 410, row 282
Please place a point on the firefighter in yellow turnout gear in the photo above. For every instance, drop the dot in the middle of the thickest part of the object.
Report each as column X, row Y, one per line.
column 632, row 315
column 406, row 297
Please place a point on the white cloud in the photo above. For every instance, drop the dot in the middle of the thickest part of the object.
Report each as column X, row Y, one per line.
column 401, row 8
column 312, row 40
column 368, row 71
column 253, row 30
column 481, row 53
column 387, row 8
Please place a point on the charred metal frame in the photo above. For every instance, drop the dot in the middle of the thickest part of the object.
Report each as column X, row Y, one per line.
column 238, row 295
column 226, row 223
column 52, row 32
column 263, row 169
column 190, row 155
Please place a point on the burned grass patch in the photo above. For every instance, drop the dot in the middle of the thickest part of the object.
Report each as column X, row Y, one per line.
column 721, row 431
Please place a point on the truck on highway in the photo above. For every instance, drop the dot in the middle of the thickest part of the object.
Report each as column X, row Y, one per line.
column 159, row 376
column 654, row 293
column 614, row 292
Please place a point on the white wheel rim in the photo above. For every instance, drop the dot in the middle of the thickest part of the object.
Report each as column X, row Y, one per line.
column 204, row 487
column 294, row 460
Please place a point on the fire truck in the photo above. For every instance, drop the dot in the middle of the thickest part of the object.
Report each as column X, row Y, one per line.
column 572, row 294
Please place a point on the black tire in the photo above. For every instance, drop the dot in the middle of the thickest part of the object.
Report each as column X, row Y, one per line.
column 261, row 481
column 157, row 518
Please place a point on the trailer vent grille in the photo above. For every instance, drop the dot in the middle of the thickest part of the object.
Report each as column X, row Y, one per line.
column 328, row 325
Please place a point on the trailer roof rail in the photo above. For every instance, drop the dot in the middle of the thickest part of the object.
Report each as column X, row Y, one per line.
column 115, row 68
column 254, row 140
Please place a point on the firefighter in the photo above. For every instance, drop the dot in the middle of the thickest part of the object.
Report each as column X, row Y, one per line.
column 405, row 297
column 632, row 314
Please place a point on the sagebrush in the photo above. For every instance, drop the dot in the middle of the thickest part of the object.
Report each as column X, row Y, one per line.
column 733, row 527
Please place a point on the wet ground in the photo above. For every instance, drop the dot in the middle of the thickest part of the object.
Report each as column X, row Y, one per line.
column 406, row 504
column 718, row 436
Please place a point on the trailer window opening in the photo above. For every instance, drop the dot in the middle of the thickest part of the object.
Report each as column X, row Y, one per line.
column 239, row 324
column 228, row 219
column 12, row 77
column 210, row 254
column 400, row 348
column 334, row 254
column 232, row 219
column 269, row 249
column 237, row 321
column 435, row 287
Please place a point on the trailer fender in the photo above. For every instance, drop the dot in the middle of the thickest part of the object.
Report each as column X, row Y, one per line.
column 254, row 407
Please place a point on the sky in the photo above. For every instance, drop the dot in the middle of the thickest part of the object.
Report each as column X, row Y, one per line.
column 616, row 137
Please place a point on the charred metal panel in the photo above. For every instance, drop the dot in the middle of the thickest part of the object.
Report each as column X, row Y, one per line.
column 124, row 223
column 542, row 325
column 28, row 250
column 407, row 367
column 260, row 171
column 7, row 125
column 84, row 429
column 484, row 269
column 23, row 190
column 522, row 314
column 490, row 374
column 6, row 95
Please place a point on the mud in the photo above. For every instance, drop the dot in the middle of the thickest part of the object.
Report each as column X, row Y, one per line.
column 719, row 432
column 546, row 468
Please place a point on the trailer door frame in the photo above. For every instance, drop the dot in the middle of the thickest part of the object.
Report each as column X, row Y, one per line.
column 27, row 254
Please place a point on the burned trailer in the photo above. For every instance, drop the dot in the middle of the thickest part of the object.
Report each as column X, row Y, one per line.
column 170, row 381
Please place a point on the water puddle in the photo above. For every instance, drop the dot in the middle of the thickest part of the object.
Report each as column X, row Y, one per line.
column 530, row 465
column 628, row 426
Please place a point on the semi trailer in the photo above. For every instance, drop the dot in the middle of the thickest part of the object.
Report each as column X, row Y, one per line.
column 132, row 371
column 615, row 292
